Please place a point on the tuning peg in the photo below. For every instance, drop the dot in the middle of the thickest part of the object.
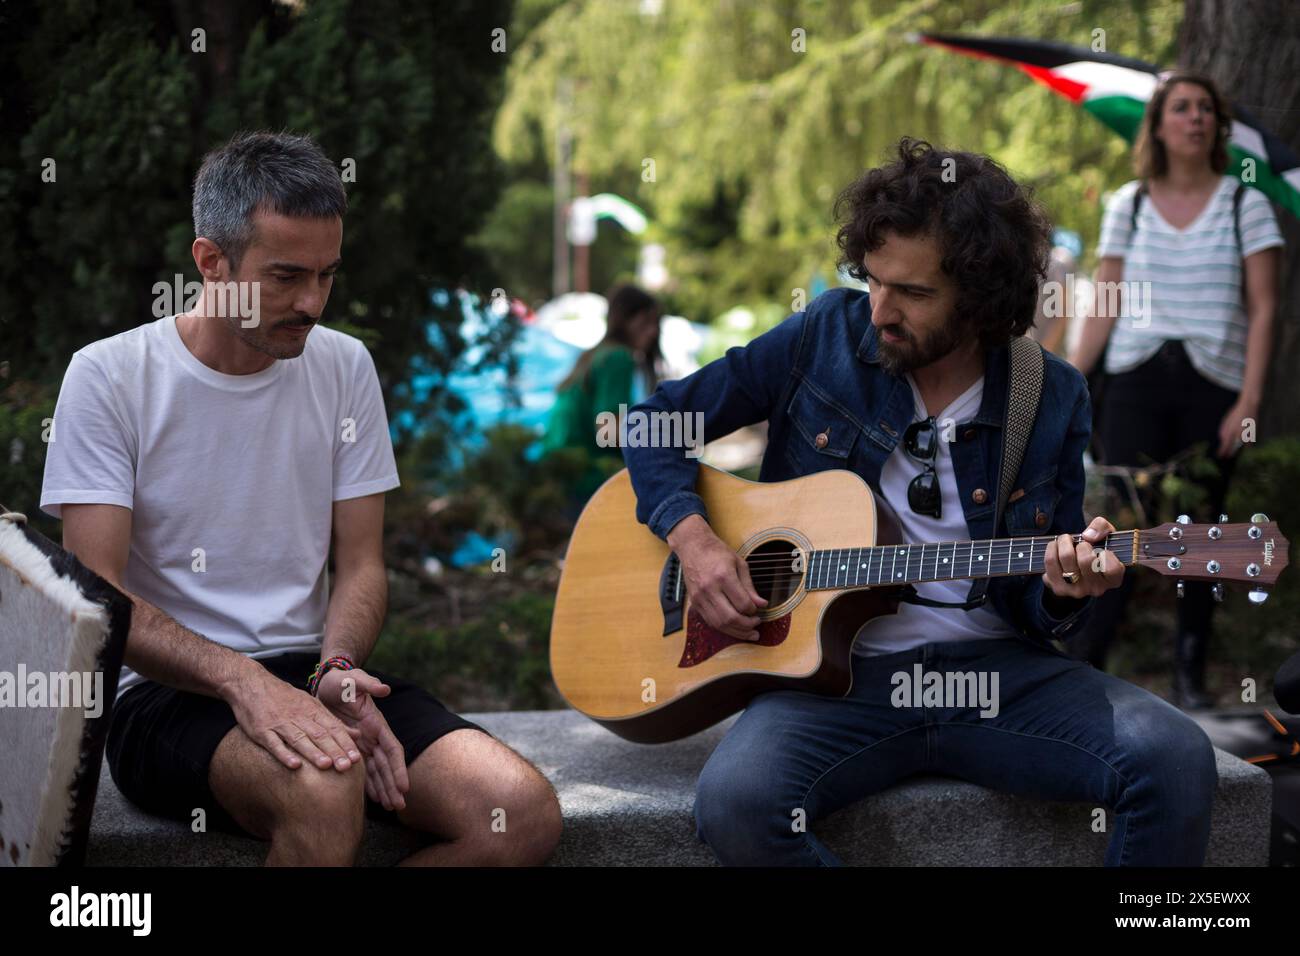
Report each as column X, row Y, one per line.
column 1257, row 596
column 1217, row 591
column 1223, row 519
column 1183, row 519
column 1180, row 588
column 1259, row 518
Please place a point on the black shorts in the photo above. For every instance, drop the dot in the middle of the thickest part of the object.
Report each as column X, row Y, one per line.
column 161, row 740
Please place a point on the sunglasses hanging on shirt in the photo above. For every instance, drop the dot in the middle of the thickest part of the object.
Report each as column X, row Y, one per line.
column 921, row 441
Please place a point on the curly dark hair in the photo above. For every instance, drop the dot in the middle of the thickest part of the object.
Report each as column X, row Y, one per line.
column 994, row 237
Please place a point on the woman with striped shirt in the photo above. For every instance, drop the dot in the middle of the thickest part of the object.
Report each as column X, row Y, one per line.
column 1184, row 313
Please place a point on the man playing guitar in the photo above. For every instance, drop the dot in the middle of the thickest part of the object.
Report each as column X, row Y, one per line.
column 906, row 385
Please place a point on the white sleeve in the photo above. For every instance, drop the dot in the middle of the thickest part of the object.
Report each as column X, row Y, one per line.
column 1259, row 229
column 1115, row 224
column 363, row 452
column 90, row 458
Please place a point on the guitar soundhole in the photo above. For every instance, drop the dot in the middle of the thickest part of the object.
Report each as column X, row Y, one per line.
column 775, row 570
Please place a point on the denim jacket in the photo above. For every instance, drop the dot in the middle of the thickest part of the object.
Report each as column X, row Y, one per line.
column 817, row 372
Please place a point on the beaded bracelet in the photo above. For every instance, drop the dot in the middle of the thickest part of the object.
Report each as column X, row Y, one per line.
column 339, row 662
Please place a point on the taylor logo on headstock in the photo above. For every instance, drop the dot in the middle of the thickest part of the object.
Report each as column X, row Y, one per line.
column 1268, row 551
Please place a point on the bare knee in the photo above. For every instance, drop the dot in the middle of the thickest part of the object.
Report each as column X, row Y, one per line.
column 525, row 823
column 320, row 813
column 311, row 816
column 485, row 802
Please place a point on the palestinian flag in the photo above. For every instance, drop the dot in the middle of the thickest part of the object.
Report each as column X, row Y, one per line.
column 1115, row 89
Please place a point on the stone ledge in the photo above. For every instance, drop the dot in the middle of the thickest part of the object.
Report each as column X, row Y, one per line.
column 630, row 804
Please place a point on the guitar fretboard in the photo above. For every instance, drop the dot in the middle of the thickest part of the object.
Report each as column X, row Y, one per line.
column 942, row 561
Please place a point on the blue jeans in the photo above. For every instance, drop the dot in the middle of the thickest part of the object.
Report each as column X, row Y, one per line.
column 1063, row 731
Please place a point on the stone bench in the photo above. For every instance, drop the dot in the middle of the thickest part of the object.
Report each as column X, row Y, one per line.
column 630, row 804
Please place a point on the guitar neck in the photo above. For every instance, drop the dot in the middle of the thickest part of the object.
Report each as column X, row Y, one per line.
column 899, row 564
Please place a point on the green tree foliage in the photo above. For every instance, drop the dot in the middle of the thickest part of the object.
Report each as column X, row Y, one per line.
column 754, row 127
column 94, row 176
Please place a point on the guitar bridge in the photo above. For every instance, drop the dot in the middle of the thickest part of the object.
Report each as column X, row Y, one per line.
column 672, row 594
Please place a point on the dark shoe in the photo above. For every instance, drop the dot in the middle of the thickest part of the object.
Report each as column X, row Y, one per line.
column 1189, row 672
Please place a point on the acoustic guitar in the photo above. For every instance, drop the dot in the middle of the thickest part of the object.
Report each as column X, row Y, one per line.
column 630, row 652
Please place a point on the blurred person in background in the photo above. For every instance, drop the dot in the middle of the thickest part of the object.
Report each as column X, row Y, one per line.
column 1187, row 340
column 1056, row 299
column 621, row 369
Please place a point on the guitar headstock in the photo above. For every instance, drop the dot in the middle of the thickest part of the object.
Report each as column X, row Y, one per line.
column 1253, row 553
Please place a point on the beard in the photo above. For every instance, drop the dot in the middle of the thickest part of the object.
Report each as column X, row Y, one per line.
column 911, row 354
column 259, row 338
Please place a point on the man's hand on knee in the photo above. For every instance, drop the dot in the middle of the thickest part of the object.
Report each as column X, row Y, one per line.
column 349, row 695
column 290, row 723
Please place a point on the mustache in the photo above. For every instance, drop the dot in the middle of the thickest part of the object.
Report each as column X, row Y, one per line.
column 297, row 323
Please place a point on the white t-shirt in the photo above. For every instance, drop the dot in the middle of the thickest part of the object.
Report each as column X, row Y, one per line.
column 914, row 625
column 1196, row 279
column 230, row 478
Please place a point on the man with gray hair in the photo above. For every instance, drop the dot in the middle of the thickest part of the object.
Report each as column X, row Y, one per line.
column 204, row 464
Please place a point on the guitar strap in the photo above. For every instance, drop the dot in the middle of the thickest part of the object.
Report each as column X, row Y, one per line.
column 1024, row 389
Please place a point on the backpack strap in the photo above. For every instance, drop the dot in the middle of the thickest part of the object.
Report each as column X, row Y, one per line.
column 1236, row 214
column 1138, row 194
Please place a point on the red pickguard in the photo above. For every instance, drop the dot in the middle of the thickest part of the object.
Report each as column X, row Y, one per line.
column 702, row 641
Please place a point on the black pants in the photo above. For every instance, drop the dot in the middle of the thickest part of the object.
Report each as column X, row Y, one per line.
column 1148, row 415
column 162, row 740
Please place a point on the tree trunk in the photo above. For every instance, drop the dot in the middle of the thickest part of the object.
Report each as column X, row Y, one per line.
column 1251, row 48
column 227, row 25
